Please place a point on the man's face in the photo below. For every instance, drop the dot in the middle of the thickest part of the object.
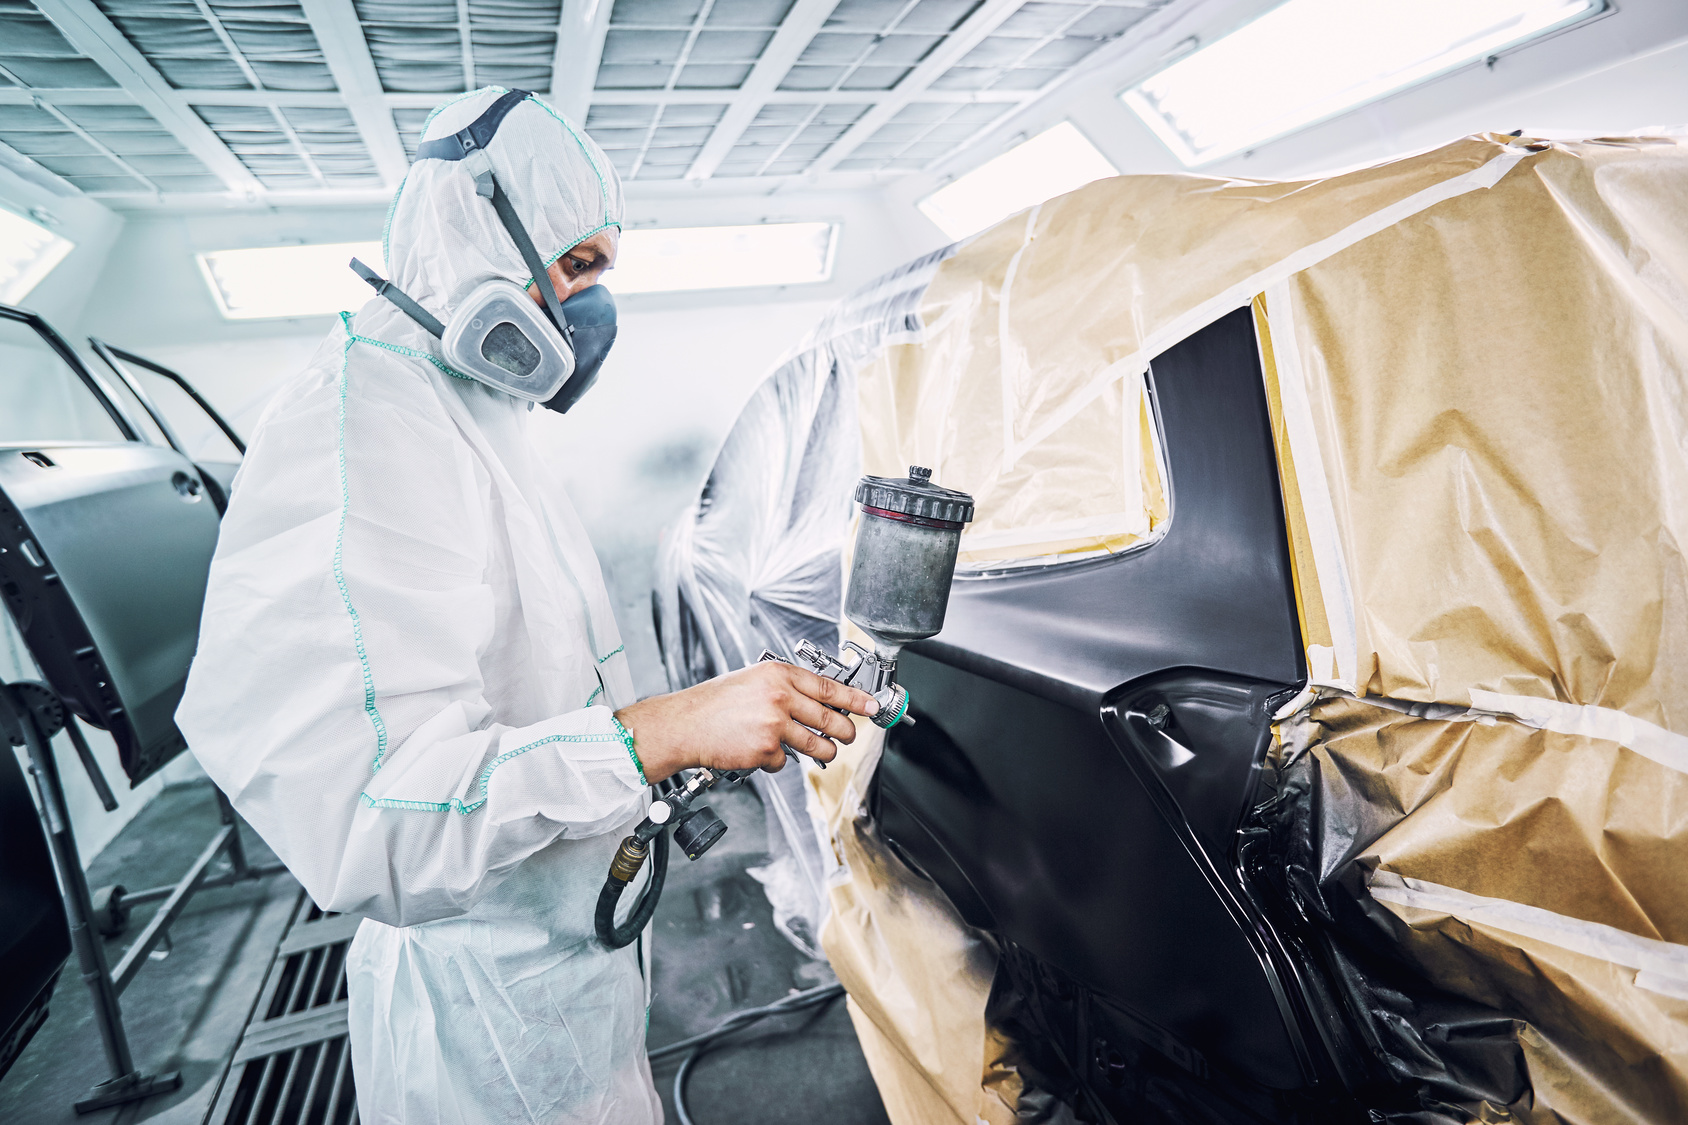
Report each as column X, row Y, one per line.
column 581, row 266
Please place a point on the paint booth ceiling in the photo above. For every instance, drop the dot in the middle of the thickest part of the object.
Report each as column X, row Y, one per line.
column 143, row 101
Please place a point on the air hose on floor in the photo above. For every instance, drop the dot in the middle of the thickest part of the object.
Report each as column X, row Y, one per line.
column 738, row 1021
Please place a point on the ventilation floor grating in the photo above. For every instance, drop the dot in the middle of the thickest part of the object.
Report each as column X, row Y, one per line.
column 294, row 1063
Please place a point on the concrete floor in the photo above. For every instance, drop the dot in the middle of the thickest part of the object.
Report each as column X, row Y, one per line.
column 716, row 950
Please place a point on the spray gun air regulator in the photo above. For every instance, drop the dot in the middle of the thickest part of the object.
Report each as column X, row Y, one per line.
column 901, row 569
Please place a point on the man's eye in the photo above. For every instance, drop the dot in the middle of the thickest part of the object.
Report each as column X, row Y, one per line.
column 580, row 266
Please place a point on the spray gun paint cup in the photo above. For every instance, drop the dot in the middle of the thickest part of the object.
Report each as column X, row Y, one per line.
column 904, row 560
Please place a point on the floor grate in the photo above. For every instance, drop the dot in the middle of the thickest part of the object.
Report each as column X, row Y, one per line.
column 294, row 1064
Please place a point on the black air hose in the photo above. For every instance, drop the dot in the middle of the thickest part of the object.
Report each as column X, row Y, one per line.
column 737, row 1021
column 628, row 860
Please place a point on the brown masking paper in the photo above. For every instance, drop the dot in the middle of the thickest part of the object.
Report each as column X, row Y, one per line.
column 1477, row 364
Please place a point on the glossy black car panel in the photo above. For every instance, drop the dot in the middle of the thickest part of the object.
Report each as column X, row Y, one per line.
column 1090, row 738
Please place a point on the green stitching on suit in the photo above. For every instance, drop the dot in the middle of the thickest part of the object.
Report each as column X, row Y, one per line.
column 627, row 741
column 400, row 349
column 457, row 806
column 369, row 707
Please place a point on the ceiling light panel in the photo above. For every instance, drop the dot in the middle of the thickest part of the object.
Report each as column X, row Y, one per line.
column 34, row 53
column 1052, row 163
column 686, row 44
column 28, row 253
column 244, row 46
column 1041, row 41
column 1309, row 60
column 271, row 282
column 688, row 258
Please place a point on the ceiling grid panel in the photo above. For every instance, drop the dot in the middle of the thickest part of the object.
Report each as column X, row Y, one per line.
column 1042, row 41
column 346, row 52
column 98, row 146
column 797, row 29
column 327, row 97
column 36, row 56
column 87, row 29
column 980, row 22
column 257, row 83
column 414, row 44
column 581, row 30
column 513, row 43
column 466, row 44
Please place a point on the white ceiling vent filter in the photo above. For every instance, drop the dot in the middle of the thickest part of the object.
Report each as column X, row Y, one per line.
column 282, row 281
column 1308, row 60
column 676, row 258
column 28, row 253
column 1050, row 164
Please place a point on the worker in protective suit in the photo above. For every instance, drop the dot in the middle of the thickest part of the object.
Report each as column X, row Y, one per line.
column 409, row 679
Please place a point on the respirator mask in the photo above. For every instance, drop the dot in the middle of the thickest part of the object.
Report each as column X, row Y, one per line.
column 549, row 355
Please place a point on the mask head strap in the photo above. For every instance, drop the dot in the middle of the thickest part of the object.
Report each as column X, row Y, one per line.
column 399, row 297
column 469, row 145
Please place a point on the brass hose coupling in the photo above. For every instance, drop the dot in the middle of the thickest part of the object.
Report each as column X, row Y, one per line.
column 628, row 859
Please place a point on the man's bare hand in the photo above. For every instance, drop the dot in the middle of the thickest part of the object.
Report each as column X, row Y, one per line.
column 739, row 720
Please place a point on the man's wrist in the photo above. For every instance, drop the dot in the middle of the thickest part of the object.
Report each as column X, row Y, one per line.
column 647, row 747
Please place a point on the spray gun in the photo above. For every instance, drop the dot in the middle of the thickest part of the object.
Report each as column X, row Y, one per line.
column 900, row 575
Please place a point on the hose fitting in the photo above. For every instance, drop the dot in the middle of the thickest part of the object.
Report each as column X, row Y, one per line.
column 629, row 858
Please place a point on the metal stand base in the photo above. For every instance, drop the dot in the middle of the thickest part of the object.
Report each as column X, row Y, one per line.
column 30, row 715
column 132, row 1087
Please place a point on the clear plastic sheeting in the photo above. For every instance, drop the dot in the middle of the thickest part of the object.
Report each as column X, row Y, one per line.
column 756, row 562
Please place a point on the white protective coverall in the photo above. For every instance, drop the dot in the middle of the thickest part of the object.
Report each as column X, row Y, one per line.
column 406, row 674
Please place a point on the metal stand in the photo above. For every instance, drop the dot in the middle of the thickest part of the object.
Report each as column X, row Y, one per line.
column 31, row 714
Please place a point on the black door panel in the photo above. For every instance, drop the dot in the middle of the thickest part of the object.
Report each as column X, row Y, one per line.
column 1216, row 592
column 1037, row 810
column 1090, row 737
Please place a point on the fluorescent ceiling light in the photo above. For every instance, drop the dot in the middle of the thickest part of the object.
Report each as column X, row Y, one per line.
column 1308, row 60
column 1050, row 164
column 278, row 281
column 283, row 281
column 28, row 253
column 667, row 259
